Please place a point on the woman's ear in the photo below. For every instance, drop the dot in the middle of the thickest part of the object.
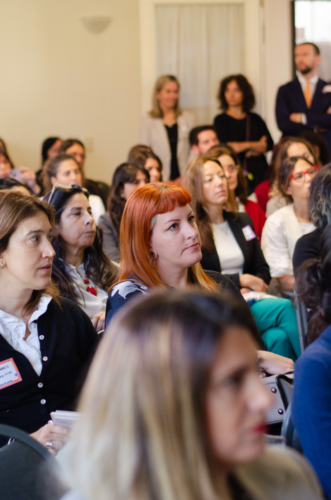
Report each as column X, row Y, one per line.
column 53, row 181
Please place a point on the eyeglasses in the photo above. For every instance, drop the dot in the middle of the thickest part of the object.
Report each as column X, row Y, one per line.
column 300, row 176
column 66, row 187
column 231, row 169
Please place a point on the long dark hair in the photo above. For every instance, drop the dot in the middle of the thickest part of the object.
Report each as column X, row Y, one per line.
column 124, row 173
column 46, row 146
column 97, row 265
column 313, row 283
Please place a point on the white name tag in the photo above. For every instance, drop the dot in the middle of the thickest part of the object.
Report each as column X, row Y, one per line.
column 249, row 233
column 326, row 89
column 9, row 373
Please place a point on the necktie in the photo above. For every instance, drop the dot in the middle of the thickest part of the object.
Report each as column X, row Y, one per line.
column 307, row 95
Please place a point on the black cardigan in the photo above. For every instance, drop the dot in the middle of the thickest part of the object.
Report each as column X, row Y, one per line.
column 254, row 261
column 67, row 341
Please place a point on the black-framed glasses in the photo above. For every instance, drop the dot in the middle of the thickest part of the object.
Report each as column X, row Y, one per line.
column 67, row 187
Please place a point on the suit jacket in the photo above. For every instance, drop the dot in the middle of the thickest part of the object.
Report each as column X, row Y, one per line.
column 254, row 261
column 290, row 99
column 154, row 134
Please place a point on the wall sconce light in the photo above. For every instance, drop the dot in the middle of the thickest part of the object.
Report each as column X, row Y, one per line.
column 96, row 24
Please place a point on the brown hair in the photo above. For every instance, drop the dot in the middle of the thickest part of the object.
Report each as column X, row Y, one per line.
column 241, row 189
column 282, row 154
column 52, row 166
column 14, row 208
column 140, row 158
column 246, row 88
column 285, row 171
column 156, row 111
column 193, row 182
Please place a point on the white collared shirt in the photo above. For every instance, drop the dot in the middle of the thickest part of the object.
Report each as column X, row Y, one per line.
column 13, row 331
column 91, row 304
column 312, row 83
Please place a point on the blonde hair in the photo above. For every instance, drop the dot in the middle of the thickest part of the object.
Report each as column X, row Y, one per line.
column 192, row 180
column 156, row 111
column 143, row 432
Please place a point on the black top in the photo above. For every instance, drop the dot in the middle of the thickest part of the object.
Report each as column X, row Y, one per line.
column 124, row 291
column 307, row 247
column 173, row 140
column 254, row 261
column 67, row 343
column 230, row 129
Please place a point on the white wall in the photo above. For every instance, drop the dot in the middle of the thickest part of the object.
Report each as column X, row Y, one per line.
column 59, row 79
column 278, row 56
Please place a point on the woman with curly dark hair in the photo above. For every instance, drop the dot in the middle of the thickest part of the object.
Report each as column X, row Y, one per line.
column 243, row 130
column 127, row 177
column 81, row 270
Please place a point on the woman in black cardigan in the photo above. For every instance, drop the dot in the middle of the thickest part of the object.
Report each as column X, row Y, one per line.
column 229, row 245
column 46, row 342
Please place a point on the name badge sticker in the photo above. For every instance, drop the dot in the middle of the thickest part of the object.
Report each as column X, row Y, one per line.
column 326, row 89
column 9, row 374
column 249, row 233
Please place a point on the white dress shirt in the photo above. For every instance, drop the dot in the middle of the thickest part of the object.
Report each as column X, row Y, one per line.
column 91, row 304
column 229, row 252
column 13, row 331
column 312, row 83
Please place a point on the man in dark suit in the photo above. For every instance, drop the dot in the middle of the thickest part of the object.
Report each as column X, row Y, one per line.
column 305, row 102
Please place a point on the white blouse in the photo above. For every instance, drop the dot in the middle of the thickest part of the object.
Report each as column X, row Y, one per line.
column 13, row 331
column 279, row 236
column 91, row 304
column 229, row 252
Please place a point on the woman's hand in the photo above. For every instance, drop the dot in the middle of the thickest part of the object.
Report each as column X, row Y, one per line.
column 257, row 148
column 29, row 178
column 252, row 282
column 98, row 321
column 239, row 147
column 274, row 364
column 53, row 437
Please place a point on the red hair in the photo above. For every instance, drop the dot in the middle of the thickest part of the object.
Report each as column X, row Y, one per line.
column 136, row 226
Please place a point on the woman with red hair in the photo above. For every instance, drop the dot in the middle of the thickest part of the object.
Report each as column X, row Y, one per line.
column 161, row 248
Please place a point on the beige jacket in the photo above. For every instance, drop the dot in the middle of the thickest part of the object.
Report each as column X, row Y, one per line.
column 154, row 135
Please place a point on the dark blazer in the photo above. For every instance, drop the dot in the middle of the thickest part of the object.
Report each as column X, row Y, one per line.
column 67, row 343
column 290, row 99
column 254, row 261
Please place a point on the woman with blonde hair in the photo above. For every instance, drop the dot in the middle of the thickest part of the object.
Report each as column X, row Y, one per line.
column 166, row 128
column 237, row 184
column 174, row 408
column 230, row 246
